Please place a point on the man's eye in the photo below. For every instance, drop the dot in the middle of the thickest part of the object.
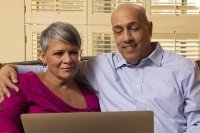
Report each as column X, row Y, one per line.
column 117, row 31
column 134, row 28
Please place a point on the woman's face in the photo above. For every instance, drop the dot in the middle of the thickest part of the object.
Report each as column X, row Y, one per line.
column 62, row 59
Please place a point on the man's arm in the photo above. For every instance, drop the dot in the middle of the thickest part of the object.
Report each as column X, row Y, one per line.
column 8, row 77
column 192, row 102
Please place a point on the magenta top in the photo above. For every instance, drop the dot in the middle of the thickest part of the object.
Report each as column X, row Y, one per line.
column 35, row 97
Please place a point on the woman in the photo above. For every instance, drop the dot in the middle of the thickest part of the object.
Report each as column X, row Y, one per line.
column 55, row 90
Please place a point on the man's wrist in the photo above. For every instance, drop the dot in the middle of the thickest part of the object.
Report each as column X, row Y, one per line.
column 1, row 65
column 9, row 65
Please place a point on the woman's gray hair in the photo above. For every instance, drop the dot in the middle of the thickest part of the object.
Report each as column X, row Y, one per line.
column 59, row 31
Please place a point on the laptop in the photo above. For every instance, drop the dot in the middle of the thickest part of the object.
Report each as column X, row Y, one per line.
column 89, row 122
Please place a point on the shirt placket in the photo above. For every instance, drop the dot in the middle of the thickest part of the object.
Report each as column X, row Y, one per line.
column 137, row 89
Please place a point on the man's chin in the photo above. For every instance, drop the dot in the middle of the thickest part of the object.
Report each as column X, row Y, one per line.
column 132, row 59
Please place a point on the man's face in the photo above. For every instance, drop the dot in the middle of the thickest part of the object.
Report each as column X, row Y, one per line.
column 132, row 34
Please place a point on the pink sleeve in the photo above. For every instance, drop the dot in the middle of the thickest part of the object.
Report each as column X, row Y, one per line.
column 10, row 111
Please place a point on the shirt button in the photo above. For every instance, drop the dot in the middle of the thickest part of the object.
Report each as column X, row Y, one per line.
column 140, row 70
column 137, row 86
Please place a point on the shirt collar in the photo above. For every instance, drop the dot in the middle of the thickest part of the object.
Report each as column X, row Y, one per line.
column 119, row 60
column 155, row 57
column 157, row 54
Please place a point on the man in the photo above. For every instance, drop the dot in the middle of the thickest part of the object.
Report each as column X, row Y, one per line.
column 142, row 76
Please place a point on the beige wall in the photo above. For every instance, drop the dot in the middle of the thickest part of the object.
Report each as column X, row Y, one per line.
column 12, row 46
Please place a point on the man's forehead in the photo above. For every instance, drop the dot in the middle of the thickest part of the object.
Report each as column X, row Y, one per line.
column 125, row 15
column 128, row 24
column 125, row 18
column 128, row 19
column 128, row 8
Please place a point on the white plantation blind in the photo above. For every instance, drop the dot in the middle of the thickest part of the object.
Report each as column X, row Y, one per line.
column 93, row 16
column 175, row 7
column 33, row 47
column 56, row 5
column 182, row 44
column 48, row 11
column 188, row 48
column 107, row 6
column 103, row 43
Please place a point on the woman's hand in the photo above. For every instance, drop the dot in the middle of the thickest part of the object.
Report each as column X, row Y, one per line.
column 8, row 79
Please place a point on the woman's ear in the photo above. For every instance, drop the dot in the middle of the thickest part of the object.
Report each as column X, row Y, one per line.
column 150, row 26
column 80, row 53
column 43, row 57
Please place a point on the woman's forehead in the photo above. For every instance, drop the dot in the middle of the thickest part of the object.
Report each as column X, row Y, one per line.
column 61, row 45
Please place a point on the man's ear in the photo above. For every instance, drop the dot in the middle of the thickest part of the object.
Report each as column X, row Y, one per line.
column 43, row 57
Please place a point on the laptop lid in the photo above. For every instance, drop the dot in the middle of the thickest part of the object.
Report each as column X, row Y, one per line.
column 89, row 122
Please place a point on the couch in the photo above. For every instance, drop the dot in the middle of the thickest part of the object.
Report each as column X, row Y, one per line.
column 39, row 62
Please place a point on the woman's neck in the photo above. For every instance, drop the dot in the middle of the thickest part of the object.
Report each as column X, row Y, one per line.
column 67, row 89
column 55, row 83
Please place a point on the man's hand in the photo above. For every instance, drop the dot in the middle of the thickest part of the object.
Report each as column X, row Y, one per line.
column 8, row 78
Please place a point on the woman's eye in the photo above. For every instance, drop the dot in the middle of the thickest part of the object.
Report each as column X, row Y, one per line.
column 74, row 53
column 58, row 53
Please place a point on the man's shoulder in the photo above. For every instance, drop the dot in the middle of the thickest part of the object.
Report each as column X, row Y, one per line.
column 108, row 56
column 103, row 58
column 102, row 61
column 172, row 59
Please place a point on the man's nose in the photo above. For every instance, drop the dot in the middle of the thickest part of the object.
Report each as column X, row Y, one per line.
column 127, row 36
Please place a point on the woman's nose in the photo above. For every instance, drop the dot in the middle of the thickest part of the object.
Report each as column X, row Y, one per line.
column 67, row 58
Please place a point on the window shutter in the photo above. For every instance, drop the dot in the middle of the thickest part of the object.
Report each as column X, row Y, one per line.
column 103, row 43
column 48, row 11
column 33, row 47
column 92, row 19
column 174, row 7
column 183, row 44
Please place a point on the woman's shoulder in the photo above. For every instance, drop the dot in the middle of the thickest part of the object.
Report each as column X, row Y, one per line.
column 91, row 98
column 25, row 79
column 88, row 92
column 27, row 76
